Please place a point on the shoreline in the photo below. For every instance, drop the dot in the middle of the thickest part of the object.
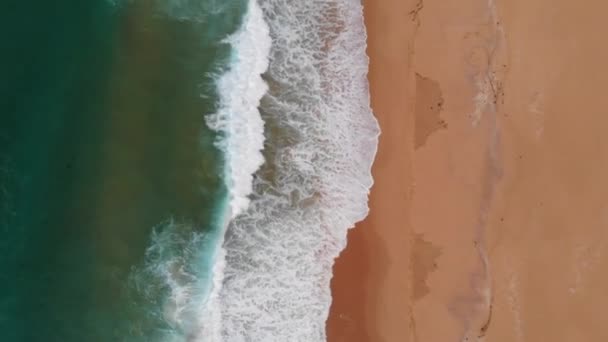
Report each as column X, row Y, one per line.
column 364, row 306
column 488, row 178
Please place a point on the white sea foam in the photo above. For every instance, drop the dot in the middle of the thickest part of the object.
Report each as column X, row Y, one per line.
column 238, row 118
column 314, row 186
column 184, row 262
column 270, row 281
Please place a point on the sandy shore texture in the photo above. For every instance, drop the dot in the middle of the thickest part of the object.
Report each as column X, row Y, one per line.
column 489, row 215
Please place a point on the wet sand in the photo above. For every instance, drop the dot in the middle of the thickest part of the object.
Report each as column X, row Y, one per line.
column 488, row 217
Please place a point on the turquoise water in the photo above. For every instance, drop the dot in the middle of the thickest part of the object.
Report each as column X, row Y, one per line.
column 107, row 168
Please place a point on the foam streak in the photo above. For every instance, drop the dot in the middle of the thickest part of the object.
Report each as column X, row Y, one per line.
column 322, row 139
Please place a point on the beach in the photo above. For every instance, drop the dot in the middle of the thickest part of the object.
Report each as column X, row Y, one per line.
column 487, row 220
column 188, row 171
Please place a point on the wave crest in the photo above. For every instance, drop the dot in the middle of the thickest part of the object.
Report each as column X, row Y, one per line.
column 240, row 90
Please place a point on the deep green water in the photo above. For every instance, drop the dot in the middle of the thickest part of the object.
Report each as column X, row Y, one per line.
column 102, row 138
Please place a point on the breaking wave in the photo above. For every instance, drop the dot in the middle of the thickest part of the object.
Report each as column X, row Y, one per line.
column 298, row 144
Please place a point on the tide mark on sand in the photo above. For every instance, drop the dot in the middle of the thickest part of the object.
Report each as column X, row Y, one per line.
column 424, row 261
column 587, row 256
column 536, row 109
column 428, row 107
column 414, row 13
column 514, row 303
column 488, row 64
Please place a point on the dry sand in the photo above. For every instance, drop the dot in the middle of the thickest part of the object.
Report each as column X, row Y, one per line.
column 489, row 215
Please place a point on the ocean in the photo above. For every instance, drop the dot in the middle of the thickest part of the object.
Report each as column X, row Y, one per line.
column 179, row 170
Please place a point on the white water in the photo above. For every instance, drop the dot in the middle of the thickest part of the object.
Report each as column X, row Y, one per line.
column 279, row 249
column 239, row 119
column 241, row 89
column 270, row 279
column 179, row 257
